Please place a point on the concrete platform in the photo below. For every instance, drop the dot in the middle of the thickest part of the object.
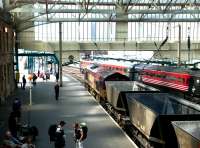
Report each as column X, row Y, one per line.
column 75, row 104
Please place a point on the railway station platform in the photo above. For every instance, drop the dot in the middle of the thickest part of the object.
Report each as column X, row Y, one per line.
column 75, row 104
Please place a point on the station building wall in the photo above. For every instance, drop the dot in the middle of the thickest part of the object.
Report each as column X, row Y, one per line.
column 7, row 80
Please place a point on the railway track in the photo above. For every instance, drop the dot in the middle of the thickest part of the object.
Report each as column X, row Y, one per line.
column 74, row 72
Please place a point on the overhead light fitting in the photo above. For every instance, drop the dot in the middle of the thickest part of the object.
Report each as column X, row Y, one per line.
column 6, row 29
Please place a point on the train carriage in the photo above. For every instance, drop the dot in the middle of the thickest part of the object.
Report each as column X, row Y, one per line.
column 179, row 81
column 116, row 91
column 187, row 133
column 116, row 98
column 151, row 115
column 184, row 80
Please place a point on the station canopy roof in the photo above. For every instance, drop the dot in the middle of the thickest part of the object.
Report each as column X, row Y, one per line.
column 27, row 13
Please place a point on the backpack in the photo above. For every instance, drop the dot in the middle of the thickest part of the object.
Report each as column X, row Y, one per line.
column 77, row 134
column 52, row 132
column 34, row 131
column 59, row 139
column 85, row 130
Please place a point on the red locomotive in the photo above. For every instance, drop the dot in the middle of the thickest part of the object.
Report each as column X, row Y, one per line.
column 95, row 78
column 175, row 80
column 106, row 65
column 182, row 79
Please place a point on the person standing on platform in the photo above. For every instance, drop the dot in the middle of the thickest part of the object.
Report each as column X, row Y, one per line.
column 56, row 87
column 34, row 79
column 57, row 76
column 60, row 136
column 24, row 82
column 38, row 73
column 78, row 135
column 12, row 124
column 52, row 132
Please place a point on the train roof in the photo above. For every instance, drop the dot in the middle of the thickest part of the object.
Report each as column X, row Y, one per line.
column 189, row 128
column 176, row 69
column 106, row 74
column 116, row 89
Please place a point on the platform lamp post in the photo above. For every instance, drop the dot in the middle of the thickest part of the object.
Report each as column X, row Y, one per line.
column 188, row 43
column 30, row 77
column 179, row 45
column 60, row 53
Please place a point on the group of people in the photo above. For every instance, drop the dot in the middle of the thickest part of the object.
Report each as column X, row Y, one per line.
column 11, row 138
column 57, row 135
column 56, row 131
column 11, row 142
column 34, row 77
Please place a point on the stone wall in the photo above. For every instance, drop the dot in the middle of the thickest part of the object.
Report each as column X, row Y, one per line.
column 7, row 83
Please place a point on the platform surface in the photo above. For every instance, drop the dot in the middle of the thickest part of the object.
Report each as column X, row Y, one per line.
column 75, row 104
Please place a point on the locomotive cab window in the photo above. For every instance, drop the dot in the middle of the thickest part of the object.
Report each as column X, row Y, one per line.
column 197, row 81
column 125, row 70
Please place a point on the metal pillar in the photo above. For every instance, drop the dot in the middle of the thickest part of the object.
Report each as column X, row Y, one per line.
column 188, row 43
column 188, row 49
column 121, row 27
column 30, row 94
column 179, row 45
column 60, row 52
column 16, row 52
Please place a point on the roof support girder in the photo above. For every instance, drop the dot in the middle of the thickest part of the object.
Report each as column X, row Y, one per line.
column 106, row 11
column 119, row 20
column 104, row 3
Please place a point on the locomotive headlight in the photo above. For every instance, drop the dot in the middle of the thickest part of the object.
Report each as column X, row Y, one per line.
column 198, row 81
column 193, row 89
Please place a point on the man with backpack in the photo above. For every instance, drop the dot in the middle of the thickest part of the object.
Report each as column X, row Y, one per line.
column 56, row 134
column 52, row 132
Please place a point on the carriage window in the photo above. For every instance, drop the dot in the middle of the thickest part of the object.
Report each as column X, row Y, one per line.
column 180, row 80
column 171, row 78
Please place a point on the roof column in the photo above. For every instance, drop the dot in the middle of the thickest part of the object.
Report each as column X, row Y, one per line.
column 121, row 27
